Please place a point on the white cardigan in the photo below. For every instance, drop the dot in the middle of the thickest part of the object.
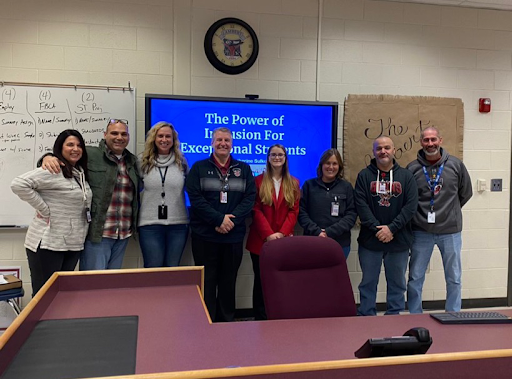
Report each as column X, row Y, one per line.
column 60, row 222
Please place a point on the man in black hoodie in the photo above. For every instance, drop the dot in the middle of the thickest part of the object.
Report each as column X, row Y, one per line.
column 444, row 188
column 386, row 198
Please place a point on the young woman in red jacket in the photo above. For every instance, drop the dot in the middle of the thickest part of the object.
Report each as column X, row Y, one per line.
column 274, row 214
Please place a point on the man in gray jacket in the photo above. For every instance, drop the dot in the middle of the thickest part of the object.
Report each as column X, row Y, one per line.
column 444, row 186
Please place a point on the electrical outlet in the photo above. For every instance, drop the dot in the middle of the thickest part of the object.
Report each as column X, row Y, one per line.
column 496, row 184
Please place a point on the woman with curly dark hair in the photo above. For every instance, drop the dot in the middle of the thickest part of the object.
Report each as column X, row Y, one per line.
column 56, row 235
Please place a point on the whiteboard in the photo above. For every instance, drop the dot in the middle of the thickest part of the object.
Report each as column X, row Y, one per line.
column 31, row 118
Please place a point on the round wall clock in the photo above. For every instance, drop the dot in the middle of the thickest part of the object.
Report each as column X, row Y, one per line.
column 231, row 46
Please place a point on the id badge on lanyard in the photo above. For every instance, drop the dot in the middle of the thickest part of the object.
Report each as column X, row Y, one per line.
column 432, row 183
column 224, row 187
column 87, row 210
column 162, row 208
column 335, row 207
column 382, row 187
column 382, row 184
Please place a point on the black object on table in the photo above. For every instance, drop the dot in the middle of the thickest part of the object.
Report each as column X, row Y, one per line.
column 77, row 348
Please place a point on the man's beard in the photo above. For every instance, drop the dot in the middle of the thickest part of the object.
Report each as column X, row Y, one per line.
column 430, row 154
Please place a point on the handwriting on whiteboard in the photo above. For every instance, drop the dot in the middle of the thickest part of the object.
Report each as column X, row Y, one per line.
column 31, row 120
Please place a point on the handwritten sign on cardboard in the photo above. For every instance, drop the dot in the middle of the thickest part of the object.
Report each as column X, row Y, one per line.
column 401, row 118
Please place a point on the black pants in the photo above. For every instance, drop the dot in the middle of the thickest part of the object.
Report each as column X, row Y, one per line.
column 258, row 305
column 221, row 262
column 43, row 263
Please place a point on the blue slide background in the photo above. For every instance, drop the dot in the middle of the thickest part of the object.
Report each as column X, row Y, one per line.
column 306, row 128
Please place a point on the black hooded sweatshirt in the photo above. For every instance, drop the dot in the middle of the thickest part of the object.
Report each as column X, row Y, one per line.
column 394, row 208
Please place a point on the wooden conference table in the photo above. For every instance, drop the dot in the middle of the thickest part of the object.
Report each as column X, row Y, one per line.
column 177, row 340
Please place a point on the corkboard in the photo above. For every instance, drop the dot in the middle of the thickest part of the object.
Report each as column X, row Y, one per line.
column 401, row 118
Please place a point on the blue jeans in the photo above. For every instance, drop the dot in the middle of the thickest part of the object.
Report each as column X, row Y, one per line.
column 107, row 254
column 162, row 245
column 395, row 265
column 346, row 251
column 450, row 246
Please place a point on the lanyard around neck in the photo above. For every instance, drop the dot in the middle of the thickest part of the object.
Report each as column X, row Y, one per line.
column 390, row 179
column 433, row 184
column 81, row 184
column 163, row 176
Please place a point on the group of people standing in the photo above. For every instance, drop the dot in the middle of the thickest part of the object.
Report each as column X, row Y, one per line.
column 404, row 213
column 117, row 193
column 106, row 192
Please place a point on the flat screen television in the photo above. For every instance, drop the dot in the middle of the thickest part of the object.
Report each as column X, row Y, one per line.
column 305, row 128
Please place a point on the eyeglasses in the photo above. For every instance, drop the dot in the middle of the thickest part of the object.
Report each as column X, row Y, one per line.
column 277, row 155
column 116, row 120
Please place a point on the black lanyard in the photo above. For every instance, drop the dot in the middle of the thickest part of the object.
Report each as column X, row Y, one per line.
column 224, row 179
column 163, row 181
column 84, row 193
column 78, row 182
column 88, row 216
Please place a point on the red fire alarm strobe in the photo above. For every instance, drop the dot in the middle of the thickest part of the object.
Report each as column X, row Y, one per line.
column 484, row 105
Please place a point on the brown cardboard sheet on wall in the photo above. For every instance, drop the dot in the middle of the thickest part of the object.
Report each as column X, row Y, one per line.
column 401, row 118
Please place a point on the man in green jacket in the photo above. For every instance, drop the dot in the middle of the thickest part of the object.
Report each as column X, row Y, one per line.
column 114, row 180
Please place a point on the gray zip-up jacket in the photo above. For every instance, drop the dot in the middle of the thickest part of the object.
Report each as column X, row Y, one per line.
column 453, row 191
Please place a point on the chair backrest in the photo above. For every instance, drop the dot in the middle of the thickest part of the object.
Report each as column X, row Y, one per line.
column 305, row 277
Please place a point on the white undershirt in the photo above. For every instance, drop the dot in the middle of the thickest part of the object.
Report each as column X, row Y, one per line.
column 277, row 186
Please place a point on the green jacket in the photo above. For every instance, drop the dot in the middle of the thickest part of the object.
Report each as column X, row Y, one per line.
column 102, row 179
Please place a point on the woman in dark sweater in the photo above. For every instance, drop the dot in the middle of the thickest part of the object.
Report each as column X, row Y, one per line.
column 327, row 206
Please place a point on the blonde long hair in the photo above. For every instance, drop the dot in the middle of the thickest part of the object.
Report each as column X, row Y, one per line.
column 289, row 185
column 151, row 152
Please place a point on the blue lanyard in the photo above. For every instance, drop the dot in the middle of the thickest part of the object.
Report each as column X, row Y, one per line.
column 433, row 185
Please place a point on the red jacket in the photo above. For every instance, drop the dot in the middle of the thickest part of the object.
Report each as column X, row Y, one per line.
column 267, row 220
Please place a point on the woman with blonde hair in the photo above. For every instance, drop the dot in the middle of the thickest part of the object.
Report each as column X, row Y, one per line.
column 327, row 207
column 163, row 217
column 274, row 214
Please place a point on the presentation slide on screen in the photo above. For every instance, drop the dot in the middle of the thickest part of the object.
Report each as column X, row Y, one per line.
column 305, row 130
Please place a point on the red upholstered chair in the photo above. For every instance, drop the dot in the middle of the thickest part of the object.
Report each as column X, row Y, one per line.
column 305, row 277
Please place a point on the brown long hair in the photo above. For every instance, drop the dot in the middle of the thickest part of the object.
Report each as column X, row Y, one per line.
column 289, row 185
column 151, row 152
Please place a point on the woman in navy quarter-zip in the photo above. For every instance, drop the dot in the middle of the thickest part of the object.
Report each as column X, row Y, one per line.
column 327, row 206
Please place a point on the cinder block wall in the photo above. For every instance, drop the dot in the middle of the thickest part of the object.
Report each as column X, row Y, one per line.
column 367, row 47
